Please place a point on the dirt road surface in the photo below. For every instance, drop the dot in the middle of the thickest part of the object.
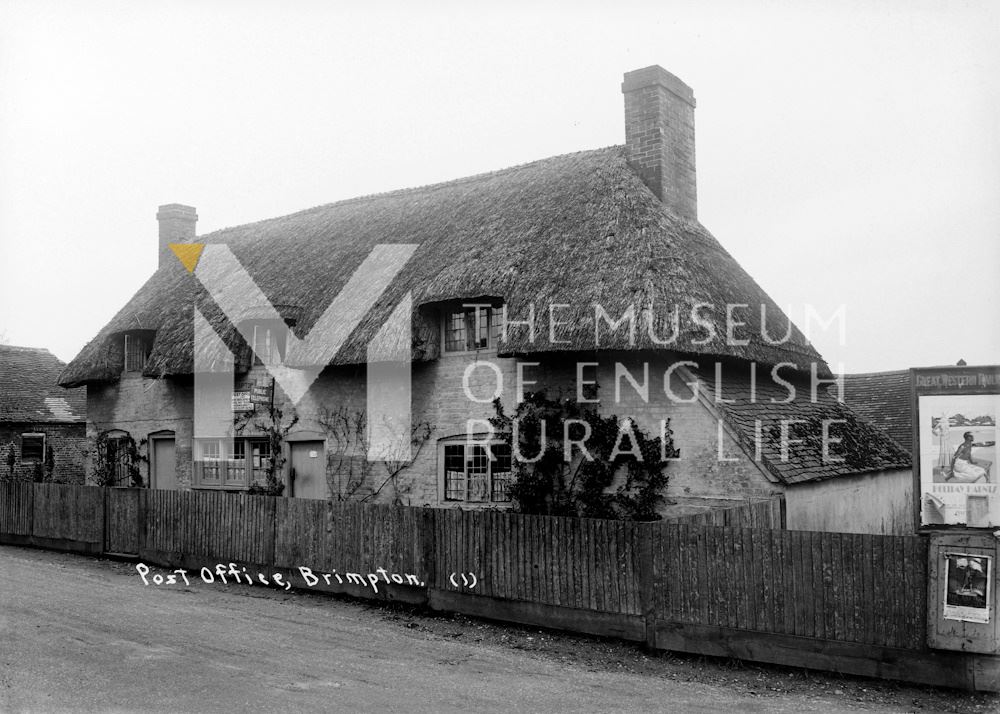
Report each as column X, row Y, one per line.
column 82, row 634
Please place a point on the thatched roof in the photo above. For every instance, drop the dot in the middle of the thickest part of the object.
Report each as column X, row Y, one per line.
column 29, row 392
column 577, row 229
column 883, row 398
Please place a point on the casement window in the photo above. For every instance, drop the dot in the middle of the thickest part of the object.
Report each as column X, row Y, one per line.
column 470, row 328
column 137, row 347
column 260, row 457
column 230, row 463
column 472, row 476
column 32, row 447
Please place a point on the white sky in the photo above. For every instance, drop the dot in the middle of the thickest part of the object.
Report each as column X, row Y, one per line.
column 848, row 152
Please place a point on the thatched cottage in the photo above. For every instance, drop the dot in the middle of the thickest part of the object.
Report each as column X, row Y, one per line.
column 603, row 274
column 42, row 427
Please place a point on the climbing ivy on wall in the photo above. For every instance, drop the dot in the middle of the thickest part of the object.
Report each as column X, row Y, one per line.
column 621, row 476
column 116, row 460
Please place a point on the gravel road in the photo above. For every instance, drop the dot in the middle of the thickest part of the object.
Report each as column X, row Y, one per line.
column 83, row 634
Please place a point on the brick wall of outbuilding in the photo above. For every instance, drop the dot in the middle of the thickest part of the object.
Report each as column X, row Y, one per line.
column 68, row 442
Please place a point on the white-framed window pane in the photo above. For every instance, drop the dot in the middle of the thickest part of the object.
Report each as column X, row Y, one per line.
column 479, row 328
column 454, row 472
column 501, row 472
column 478, row 474
column 260, row 456
column 496, row 321
column 454, row 332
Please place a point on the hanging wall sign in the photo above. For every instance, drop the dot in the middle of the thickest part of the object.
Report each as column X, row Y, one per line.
column 241, row 402
column 967, row 585
column 262, row 392
column 955, row 438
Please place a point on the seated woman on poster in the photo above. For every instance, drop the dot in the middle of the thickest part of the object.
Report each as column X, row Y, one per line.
column 963, row 468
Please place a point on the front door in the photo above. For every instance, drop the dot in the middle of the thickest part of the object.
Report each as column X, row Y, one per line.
column 308, row 470
column 164, row 466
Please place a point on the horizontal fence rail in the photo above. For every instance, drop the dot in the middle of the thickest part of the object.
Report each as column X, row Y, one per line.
column 702, row 574
column 756, row 514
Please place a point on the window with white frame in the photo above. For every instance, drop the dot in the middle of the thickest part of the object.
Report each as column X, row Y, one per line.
column 473, row 473
column 230, row 463
column 472, row 327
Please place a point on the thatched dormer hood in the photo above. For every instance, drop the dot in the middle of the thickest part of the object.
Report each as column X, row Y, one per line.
column 576, row 230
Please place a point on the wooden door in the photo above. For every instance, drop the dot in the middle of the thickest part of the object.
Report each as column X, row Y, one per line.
column 164, row 465
column 308, row 469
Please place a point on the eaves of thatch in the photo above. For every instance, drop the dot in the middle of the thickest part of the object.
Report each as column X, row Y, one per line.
column 577, row 230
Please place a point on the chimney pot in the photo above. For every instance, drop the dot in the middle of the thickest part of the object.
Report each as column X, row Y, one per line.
column 177, row 225
column 659, row 136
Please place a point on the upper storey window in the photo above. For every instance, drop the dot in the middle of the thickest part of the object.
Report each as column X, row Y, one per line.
column 268, row 341
column 137, row 344
column 472, row 327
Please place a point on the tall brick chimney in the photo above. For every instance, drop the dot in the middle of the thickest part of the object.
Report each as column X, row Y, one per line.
column 176, row 226
column 659, row 136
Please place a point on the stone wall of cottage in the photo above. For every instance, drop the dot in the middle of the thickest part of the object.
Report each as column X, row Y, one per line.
column 68, row 442
column 143, row 407
column 711, row 466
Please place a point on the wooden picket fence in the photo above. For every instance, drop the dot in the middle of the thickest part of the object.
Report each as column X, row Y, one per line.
column 659, row 582
column 830, row 586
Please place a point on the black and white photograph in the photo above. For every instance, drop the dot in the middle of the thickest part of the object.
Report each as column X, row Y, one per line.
column 543, row 357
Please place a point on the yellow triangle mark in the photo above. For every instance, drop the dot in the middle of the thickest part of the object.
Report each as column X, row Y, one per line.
column 187, row 253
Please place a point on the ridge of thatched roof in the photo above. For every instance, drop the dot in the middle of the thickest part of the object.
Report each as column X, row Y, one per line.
column 29, row 389
column 576, row 229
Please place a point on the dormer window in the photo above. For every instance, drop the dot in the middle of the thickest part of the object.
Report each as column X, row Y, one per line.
column 268, row 341
column 137, row 346
column 471, row 327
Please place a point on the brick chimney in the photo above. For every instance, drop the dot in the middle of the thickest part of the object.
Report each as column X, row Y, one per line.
column 176, row 226
column 659, row 136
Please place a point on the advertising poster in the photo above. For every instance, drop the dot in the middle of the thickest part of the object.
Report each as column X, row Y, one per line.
column 956, row 451
column 967, row 587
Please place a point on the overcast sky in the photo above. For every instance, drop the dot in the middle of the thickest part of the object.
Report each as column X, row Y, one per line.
column 848, row 152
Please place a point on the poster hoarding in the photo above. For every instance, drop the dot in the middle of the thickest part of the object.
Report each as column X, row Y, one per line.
column 956, row 434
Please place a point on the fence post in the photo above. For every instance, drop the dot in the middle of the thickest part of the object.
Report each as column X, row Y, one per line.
column 106, row 525
column 269, row 545
column 140, row 521
column 428, row 554
column 644, row 534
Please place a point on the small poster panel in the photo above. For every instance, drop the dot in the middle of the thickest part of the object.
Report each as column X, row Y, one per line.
column 968, row 582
